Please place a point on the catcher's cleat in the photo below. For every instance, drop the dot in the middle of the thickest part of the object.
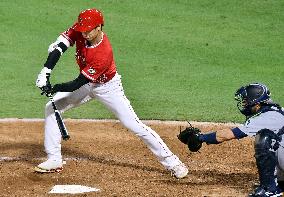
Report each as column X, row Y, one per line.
column 49, row 166
column 179, row 171
column 260, row 191
column 281, row 185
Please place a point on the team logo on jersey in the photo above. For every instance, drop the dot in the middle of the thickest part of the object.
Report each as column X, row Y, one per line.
column 91, row 71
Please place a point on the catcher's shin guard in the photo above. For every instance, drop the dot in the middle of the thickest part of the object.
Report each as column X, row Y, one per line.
column 266, row 144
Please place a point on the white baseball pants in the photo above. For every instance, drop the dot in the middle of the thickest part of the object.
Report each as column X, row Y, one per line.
column 111, row 94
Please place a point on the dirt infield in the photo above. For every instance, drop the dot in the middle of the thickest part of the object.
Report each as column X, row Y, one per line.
column 107, row 156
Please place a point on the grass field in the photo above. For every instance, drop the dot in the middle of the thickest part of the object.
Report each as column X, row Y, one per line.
column 180, row 59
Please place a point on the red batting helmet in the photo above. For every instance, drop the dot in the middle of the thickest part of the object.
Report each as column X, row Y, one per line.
column 88, row 20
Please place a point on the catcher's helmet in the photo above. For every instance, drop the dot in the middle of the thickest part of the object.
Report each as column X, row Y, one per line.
column 251, row 95
column 88, row 20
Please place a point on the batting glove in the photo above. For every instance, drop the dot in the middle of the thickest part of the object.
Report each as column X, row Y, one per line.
column 43, row 77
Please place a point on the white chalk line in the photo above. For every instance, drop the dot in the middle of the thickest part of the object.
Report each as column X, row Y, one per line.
column 152, row 122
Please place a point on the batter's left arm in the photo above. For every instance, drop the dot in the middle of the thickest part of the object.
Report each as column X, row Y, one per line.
column 55, row 50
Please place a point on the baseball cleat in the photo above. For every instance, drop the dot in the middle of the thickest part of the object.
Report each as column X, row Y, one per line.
column 263, row 192
column 40, row 170
column 179, row 171
column 49, row 166
column 281, row 185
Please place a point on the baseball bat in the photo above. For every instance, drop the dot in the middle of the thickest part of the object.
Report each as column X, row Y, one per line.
column 64, row 133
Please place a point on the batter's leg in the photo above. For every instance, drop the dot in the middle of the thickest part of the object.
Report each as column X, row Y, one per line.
column 64, row 101
column 116, row 101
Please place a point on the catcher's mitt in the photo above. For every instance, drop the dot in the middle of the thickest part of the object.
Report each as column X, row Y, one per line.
column 190, row 136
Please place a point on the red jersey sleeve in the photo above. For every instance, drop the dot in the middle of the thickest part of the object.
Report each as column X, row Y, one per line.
column 71, row 35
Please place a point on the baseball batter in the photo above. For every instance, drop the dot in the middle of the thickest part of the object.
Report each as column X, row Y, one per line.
column 265, row 121
column 98, row 79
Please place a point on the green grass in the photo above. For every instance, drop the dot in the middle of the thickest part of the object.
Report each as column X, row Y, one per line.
column 179, row 59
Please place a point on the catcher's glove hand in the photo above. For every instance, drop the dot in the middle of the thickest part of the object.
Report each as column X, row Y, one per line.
column 190, row 136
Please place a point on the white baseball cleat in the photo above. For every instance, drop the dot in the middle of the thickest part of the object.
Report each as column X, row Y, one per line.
column 49, row 166
column 179, row 171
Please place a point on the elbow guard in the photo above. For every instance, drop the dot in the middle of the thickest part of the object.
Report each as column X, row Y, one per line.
column 55, row 50
column 61, row 44
column 61, row 47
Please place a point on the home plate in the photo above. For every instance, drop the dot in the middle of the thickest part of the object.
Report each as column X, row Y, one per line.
column 72, row 189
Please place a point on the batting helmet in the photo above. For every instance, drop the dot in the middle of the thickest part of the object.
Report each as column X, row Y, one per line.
column 88, row 20
column 251, row 95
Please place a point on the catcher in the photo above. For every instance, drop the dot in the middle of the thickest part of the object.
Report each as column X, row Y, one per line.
column 265, row 121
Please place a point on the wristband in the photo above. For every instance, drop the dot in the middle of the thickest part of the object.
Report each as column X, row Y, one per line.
column 209, row 138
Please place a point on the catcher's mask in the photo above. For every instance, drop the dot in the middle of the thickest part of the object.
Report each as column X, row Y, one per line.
column 249, row 96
